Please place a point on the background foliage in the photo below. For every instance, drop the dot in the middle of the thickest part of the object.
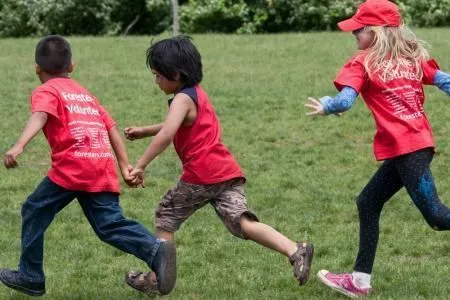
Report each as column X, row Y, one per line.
column 112, row 17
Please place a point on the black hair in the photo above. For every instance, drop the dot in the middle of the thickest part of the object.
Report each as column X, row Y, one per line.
column 53, row 54
column 176, row 55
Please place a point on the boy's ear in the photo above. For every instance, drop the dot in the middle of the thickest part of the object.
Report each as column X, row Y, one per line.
column 37, row 69
column 70, row 68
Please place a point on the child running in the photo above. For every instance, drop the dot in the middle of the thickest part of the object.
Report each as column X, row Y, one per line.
column 82, row 137
column 210, row 173
column 389, row 72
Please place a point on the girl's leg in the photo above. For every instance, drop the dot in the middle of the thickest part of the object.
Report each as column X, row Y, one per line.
column 381, row 187
column 414, row 169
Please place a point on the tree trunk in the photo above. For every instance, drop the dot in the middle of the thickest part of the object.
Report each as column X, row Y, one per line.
column 176, row 17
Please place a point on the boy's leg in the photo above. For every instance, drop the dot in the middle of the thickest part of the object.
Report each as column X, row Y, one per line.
column 414, row 170
column 164, row 235
column 177, row 205
column 37, row 212
column 300, row 254
column 106, row 218
column 231, row 206
column 267, row 236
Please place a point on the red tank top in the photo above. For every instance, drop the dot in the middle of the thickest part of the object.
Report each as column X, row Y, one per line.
column 206, row 160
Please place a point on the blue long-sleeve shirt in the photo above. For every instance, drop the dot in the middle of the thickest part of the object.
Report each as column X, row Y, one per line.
column 347, row 97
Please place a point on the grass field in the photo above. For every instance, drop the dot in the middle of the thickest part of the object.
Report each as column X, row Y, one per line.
column 303, row 173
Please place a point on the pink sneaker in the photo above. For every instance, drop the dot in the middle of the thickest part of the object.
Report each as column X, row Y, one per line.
column 342, row 283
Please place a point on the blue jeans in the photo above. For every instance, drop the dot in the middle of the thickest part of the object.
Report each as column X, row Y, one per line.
column 103, row 213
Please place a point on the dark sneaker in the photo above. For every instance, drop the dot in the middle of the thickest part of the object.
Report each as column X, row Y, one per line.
column 165, row 266
column 301, row 261
column 15, row 280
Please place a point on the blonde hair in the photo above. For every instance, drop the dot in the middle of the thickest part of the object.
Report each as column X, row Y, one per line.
column 393, row 47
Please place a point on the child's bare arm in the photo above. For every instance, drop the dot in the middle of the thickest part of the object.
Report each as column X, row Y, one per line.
column 179, row 109
column 119, row 147
column 133, row 133
column 34, row 125
column 122, row 156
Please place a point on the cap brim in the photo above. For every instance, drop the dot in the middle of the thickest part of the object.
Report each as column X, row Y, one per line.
column 350, row 25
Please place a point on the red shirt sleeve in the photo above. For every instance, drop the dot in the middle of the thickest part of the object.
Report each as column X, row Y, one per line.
column 429, row 68
column 107, row 119
column 352, row 74
column 44, row 100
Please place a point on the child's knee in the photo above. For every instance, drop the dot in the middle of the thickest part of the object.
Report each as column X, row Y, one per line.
column 362, row 204
column 246, row 222
column 247, row 219
column 28, row 209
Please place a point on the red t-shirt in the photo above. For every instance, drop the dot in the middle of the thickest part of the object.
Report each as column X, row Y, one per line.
column 206, row 160
column 77, row 132
column 396, row 102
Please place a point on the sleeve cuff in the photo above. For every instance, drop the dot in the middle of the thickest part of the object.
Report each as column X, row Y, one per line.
column 325, row 103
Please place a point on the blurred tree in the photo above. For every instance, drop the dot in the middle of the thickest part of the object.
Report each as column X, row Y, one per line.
column 175, row 17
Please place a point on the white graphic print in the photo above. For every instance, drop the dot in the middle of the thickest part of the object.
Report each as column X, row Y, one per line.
column 406, row 102
column 88, row 130
column 402, row 70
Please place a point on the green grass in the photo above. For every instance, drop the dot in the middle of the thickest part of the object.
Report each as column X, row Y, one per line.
column 303, row 173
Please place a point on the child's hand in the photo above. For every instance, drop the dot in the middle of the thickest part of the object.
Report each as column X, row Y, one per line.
column 316, row 106
column 9, row 158
column 133, row 133
column 131, row 181
column 139, row 174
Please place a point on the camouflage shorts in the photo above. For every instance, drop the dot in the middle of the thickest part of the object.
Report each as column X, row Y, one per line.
column 227, row 198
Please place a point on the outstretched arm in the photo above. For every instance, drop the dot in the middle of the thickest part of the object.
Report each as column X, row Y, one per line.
column 119, row 148
column 34, row 125
column 342, row 102
column 179, row 109
column 327, row 105
column 133, row 133
column 122, row 157
column 442, row 81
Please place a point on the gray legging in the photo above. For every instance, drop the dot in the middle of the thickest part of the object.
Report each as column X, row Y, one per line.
column 411, row 171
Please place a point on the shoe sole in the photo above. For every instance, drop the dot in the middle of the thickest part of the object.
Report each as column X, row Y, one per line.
column 168, row 274
column 34, row 293
column 334, row 286
column 307, row 262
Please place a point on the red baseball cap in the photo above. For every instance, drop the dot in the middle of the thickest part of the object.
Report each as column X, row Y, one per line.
column 373, row 13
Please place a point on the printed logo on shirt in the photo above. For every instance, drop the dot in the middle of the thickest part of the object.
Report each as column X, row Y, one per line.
column 402, row 70
column 405, row 101
column 76, row 97
column 86, row 126
column 81, row 98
